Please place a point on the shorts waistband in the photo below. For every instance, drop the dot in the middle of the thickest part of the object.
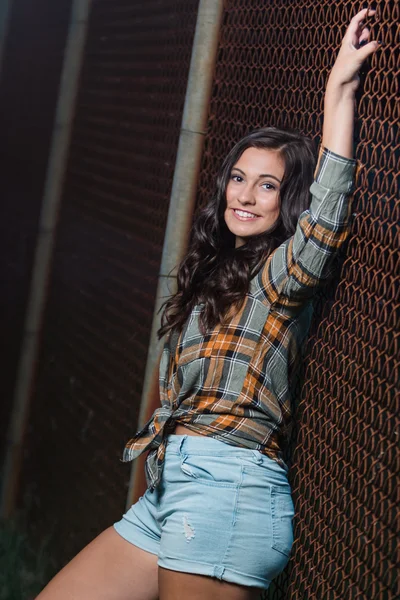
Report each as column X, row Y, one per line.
column 208, row 445
column 197, row 442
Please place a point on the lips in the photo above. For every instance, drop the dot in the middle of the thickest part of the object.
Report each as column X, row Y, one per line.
column 244, row 215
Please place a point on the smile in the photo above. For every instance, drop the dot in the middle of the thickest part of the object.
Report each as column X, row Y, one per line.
column 243, row 215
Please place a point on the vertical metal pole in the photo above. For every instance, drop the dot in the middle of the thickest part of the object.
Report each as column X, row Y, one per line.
column 44, row 249
column 183, row 194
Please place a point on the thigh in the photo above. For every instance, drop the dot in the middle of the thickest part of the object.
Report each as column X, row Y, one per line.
column 109, row 568
column 180, row 586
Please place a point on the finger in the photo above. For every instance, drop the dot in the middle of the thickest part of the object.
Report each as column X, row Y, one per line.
column 364, row 37
column 365, row 51
column 357, row 20
column 364, row 14
column 361, row 38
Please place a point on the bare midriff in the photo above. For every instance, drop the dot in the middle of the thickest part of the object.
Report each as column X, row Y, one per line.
column 182, row 430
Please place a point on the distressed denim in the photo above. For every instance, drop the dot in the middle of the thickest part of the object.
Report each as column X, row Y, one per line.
column 220, row 511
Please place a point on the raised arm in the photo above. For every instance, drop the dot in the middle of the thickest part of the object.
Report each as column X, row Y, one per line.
column 296, row 269
column 342, row 85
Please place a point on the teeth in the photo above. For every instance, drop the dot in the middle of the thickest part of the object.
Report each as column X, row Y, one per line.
column 243, row 213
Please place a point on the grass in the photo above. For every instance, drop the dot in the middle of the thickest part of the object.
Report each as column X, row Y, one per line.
column 25, row 568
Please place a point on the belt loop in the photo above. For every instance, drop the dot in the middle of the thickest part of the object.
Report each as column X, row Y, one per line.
column 257, row 456
column 181, row 444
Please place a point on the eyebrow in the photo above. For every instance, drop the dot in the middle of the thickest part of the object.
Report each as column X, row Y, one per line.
column 260, row 176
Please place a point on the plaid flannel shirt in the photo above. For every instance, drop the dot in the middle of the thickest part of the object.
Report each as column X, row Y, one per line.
column 233, row 384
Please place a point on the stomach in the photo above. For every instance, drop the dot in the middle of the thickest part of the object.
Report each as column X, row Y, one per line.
column 182, row 430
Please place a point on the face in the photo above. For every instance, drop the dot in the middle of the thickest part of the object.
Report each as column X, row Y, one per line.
column 253, row 193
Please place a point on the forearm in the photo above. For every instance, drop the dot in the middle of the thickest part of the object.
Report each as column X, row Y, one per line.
column 338, row 127
column 339, row 105
column 299, row 265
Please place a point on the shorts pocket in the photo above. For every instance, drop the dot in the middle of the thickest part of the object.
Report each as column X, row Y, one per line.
column 211, row 470
column 282, row 513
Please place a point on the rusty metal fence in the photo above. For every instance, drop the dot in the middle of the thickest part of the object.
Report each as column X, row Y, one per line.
column 274, row 58
column 105, row 266
column 28, row 95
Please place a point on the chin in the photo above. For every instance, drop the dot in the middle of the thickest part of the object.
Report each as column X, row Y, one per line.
column 242, row 231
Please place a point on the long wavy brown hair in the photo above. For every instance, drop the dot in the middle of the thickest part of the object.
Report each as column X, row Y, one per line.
column 215, row 273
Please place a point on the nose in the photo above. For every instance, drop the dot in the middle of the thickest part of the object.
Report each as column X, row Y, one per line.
column 246, row 195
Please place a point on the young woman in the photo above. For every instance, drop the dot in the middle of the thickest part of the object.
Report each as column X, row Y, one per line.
column 216, row 520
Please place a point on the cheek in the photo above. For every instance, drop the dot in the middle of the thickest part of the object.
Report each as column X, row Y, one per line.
column 277, row 206
column 277, row 202
column 271, row 204
column 229, row 201
column 226, row 209
column 228, row 195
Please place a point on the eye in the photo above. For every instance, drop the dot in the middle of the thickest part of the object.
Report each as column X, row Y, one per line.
column 268, row 186
column 237, row 178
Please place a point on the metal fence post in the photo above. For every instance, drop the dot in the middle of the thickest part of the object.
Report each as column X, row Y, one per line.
column 44, row 249
column 183, row 194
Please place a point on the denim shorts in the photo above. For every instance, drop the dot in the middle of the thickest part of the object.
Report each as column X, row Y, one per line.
column 219, row 510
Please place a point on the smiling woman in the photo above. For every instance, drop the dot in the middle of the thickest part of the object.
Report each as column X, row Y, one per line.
column 216, row 519
column 253, row 193
column 262, row 189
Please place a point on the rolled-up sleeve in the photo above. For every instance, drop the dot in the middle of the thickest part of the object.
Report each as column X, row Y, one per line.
column 297, row 267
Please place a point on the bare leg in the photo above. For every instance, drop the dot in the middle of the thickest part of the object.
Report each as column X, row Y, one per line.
column 181, row 586
column 109, row 568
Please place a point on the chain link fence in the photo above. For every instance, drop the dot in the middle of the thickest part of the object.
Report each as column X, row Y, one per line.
column 274, row 59
column 105, row 266
column 32, row 56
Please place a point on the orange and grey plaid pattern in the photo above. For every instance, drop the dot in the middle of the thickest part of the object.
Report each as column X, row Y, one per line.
column 234, row 384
